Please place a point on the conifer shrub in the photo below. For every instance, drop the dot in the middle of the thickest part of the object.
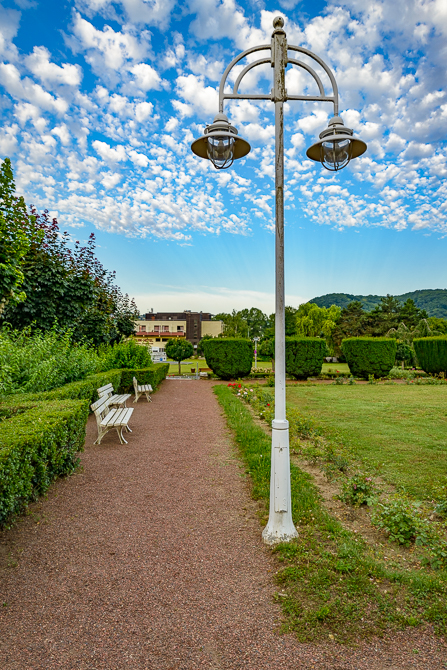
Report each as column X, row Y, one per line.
column 229, row 358
column 369, row 356
column 431, row 353
column 304, row 356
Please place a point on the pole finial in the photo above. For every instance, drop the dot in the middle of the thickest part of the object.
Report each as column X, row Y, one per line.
column 278, row 22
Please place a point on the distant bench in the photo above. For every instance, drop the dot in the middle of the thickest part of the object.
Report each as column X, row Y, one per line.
column 109, row 418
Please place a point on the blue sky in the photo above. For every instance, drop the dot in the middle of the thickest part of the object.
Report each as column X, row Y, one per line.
column 100, row 100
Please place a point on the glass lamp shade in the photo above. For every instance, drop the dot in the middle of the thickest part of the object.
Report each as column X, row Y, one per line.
column 220, row 150
column 336, row 154
column 336, row 147
column 220, row 144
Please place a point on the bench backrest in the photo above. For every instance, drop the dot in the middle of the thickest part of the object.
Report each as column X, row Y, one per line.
column 135, row 384
column 105, row 390
column 100, row 408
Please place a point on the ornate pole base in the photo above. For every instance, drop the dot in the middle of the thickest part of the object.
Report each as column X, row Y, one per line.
column 280, row 526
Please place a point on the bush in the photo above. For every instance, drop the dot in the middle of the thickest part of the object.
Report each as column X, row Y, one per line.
column 304, row 356
column 369, row 355
column 38, row 443
column 86, row 389
column 36, row 362
column 126, row 354
column 400, row 518
column 153, row 376
column 432, row 353
column 358, row 490
column 229, row 358
column 405, row 354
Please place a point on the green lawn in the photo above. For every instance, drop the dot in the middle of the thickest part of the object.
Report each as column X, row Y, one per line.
column 401, row 429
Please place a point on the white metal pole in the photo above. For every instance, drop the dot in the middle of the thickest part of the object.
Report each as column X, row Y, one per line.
column 280, row 526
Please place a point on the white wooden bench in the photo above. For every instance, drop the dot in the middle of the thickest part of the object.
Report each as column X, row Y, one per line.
column 109, row 418
column 142, row 389
column 115, row 399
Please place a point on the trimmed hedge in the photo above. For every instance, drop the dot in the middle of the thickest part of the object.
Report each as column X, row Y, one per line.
column 37, row 444
column 153, row 376
column 304, row 356
column 431, row 353
column 369, row 355
column 229, row 358
column 86, row 389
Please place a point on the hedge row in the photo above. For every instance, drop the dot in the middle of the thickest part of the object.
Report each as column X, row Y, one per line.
column 41, row 433
column 153, row 376
column 304, row 356
column 229, row 358
column 432, row 353
column 369, row 355
column 38, row 444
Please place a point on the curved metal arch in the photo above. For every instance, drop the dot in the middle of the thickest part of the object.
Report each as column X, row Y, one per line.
column 262, row 47
column 311, row 71
column 321, row 62
column 261, row 61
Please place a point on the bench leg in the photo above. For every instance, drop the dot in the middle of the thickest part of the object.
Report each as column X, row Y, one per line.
column 149, row 399
column 137, row 395
column 101, row 434
column 128, row 429
column 120, row 433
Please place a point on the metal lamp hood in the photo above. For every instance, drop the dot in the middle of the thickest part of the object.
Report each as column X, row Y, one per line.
column 336, row 147
column 220, row 143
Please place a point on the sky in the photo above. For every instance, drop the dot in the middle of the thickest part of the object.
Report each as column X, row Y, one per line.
column 101, row 99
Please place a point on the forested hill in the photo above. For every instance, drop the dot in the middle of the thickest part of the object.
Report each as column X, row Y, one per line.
column 434, row 301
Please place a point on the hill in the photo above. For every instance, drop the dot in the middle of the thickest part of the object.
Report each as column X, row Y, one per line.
column 434, row 301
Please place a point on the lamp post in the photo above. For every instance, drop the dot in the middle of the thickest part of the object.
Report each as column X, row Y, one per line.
column 256, row 340
column 221, row 144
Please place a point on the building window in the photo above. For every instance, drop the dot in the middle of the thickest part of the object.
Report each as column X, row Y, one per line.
column 166, row 329
column 142, row 329
column 164, row 339
column 157, row 339
column 156, row 329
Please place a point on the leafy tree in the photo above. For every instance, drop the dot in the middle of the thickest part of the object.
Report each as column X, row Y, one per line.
column 314, row 321
column 256, row 321
column 290, row 319
column 14, row 241
column 437, row 324
column 350, row 324
column 70, row 287
column 179, row 350
column 267, row 349
column 410, row 315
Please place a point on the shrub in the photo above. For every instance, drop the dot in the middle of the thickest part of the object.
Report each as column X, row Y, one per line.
column 369, row 355
column 400, row 518
column 36, row 362
column 405, row 354
column 38, row 443
column 126, row 354
column 229, row 358
column 304, row 356
column 86, row 389
column 153, row 376
column 358, row 490
column 432, row 353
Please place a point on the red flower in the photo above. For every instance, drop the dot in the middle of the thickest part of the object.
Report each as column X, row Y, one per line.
column 239, row 385
column 268, row 404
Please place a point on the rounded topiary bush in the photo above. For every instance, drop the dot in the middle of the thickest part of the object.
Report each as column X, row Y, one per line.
column 369, row 355
column 304, row 356
column 431, row 353
column 229, row 358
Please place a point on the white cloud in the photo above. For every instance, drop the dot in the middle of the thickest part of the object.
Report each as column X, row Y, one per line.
column 26, row 89
column 49, row 73
column 111, row 154
column 146, row 78
column 203, row 99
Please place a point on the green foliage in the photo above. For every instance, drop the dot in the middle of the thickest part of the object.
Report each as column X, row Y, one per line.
column 400, row 518
column 405, row 354
column 266, row 349
column 229, row 358
column 358, row 490
column 433, row 301
column 179, row 350
column 152, row 375
column 431, row 353
column 14, row 241
column 369, row 355
column 38, row 444
column 246, row 323
column 127, row 354
column 304, row 356
column 200, row 350
column 32, row 362
column 65, row 284
column 314, row 321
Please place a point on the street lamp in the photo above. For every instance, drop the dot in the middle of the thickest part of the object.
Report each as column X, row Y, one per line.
column 256, row 340
column 221, row 144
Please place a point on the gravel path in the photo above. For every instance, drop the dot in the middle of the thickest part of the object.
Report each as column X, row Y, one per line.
column 151, row 558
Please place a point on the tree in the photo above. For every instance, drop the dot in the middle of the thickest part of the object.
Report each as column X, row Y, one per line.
column 350, row 324
column 69, row 286
column 314, row 321
column 290, row 319
column 256, row 321
column 200, row 349
column 14, row 241
column 179, row 350
column 410, row 315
